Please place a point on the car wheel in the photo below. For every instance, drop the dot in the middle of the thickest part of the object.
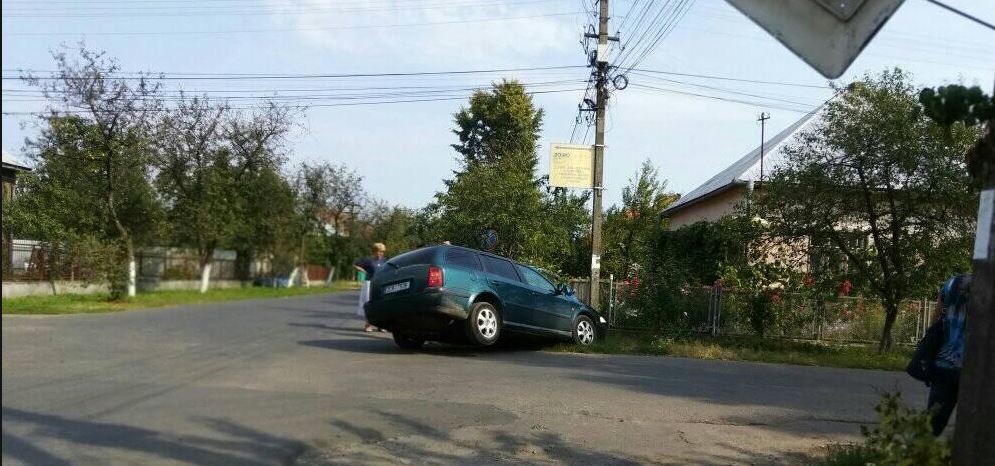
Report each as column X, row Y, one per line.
column 406, row 342
column 584, row 331
column 484, row 325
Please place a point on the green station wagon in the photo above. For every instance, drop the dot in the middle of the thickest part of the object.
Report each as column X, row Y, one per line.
column 451, row 293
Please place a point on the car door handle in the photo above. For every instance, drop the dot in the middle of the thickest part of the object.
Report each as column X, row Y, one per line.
column 496, row 283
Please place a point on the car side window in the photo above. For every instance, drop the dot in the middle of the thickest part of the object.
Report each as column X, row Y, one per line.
column 535, row 279
column 500, row 267
column 461, row 258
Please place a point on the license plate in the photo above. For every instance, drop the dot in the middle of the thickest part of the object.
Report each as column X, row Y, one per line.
column 396, row 287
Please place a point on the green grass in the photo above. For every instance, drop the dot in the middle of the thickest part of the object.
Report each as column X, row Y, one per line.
column 848, row 455
column 99, row 302
column 749, row 349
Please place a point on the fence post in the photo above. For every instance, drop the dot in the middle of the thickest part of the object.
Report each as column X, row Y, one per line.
column 718, row 311
column 711, row 310
column 611, row 299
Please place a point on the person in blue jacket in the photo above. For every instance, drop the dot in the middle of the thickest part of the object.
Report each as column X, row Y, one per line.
column 369, row 266
column 944, row 375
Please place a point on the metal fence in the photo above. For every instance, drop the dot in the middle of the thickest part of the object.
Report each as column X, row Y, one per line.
column 725, row 311
column 182, row 264
column 34, row 261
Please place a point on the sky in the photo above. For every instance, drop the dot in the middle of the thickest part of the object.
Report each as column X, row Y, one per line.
column 402, row 149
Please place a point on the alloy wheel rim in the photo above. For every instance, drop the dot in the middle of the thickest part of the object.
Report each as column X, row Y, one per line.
column 487, row 323
column 585, row 332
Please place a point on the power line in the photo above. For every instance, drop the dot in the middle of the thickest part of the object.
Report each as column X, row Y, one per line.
column 729, row 78
column 300, row 97
column 721, row 89
column 723, row 99
column 290, row 91
column 254, row 31
column 343, row 104
column 119, row 12
column 679, row 13
column 185, row 76
column 963, row 14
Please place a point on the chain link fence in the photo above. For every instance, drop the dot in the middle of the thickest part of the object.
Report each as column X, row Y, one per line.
column 726, row 311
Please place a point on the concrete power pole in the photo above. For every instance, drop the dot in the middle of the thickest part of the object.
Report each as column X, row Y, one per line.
column 763, row 125
column 601, row 85
column 975, row 422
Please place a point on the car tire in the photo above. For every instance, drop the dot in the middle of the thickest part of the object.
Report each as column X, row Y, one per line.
column 483, row 327
column 406, row 342
column 584, row 332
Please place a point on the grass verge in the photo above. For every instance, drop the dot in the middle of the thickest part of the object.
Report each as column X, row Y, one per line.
column 749, row 349
column 99, row 302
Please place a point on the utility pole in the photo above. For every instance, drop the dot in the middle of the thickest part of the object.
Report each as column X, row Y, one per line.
column 972, row 443
column 601, row 86
column 763, row 124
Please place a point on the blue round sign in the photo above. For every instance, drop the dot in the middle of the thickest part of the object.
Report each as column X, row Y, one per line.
column 489, row 238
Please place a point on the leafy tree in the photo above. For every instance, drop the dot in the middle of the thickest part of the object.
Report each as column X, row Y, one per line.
column 630, row 228
column 98, row 148
column 265, row 226
column 496, row 187
column 312, row 188
column 196, row 178
column 880, row 182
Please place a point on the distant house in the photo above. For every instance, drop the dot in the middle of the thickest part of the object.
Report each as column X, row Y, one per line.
column 10, row 172
column 723, row 192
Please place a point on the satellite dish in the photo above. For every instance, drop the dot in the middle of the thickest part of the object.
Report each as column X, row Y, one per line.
column 827, row 34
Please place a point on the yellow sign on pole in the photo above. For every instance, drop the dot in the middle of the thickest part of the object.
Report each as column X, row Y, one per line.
column 571, row 166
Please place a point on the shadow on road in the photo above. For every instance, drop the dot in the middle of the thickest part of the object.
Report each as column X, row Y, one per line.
column 805, row 399
column 381, row 343
column 426, row 444
column 242, row 445
column 372, row 345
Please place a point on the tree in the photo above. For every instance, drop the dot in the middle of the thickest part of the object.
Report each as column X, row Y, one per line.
column 880, row 182
column 312, row 188
column 496, row 187
column 264, row 225
column 196, row 178
column 99, row 134
column 630, row 228
column 265, row 221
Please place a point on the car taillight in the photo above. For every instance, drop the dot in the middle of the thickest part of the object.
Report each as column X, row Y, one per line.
column 435, row 277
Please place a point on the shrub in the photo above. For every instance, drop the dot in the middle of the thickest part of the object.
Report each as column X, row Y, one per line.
column 903, row 437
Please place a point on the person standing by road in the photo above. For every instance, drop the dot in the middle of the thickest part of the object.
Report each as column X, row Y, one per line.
column 369, row 266
column 944, row 376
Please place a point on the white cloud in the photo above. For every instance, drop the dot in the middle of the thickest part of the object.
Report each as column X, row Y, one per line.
column 492, row 42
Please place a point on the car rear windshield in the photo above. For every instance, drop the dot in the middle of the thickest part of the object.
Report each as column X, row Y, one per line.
column 416, row 257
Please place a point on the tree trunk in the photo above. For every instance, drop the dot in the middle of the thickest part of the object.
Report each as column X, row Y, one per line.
column 205, row 276
column 891, row 313
column 132, row 272
column 302, row 264
column 305, row 280
column 293, row 276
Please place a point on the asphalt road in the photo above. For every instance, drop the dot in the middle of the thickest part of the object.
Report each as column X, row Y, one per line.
column 295, row 381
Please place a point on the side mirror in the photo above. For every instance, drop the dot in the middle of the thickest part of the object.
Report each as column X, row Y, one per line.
column 564, row 289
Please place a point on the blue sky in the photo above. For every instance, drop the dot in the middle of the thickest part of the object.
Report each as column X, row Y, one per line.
column 403, row 151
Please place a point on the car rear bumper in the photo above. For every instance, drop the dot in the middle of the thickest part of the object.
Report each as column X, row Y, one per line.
column 429, row 311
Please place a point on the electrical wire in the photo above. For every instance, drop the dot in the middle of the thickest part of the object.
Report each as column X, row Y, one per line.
column 271, row 30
